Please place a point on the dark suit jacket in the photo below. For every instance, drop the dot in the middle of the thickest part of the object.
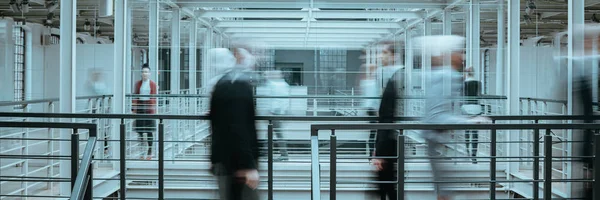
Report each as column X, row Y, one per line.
column 386, row 141
column 232, row 117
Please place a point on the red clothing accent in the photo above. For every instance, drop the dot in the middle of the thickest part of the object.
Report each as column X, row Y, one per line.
column 153, row 90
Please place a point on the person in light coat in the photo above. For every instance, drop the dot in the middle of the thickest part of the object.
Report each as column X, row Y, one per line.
column 444, row 82
column 278, row 106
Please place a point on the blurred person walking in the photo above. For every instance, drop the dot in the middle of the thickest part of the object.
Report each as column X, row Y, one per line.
column 145, row 105
column 438, row 97
column 471, row 107
column 278, row 107
column 234, row 149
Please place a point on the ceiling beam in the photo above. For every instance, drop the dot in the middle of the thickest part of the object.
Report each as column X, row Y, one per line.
column 302, row 30
column 301, row 24
column 302, row 35
column 317, row 4
column 291, row 14
column 274, row 39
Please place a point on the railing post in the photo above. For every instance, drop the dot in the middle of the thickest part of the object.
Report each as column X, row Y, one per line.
column 122, row 159
column 400, row 162
column 315, row 178
column 161, row 159
column 596, row 192
column 547, row 165
column 74, row 156
column 89, row 191
column 270, row 161
column 332, row 165
column 493, row 164
column 536, row 163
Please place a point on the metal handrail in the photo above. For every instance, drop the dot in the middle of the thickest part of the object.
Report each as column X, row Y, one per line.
column 496, row 97
column 541, row 99
column 34, row 101
column 277, row 117
column 82, row 188
column 92, row 128
column 547, row 175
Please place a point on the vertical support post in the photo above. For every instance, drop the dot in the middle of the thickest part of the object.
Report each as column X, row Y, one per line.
column 161, row 160
column 575, row 69
column 120, row 68
column 547, row 165
column 513, row 74
column 500, row 50
column 426, row 55
column 493, row 164
column 67, row 80
column 270, row 161
column 400, row 162
column 74, row 156
column 596, row 183
column 175, row 54
column 122, row 163
column 332, row 166
column 447, row 30
column 153, row 40
column 408, row 51
column 536, row 163
column 475, row 52
column 89, row 191
column 315, row 170
column 193, row 60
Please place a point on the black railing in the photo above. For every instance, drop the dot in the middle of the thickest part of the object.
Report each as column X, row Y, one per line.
column 547, row 158
column 161, row 131
column 81, row 175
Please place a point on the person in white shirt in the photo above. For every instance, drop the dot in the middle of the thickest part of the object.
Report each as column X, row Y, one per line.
column 438, row 96
column 278, row 106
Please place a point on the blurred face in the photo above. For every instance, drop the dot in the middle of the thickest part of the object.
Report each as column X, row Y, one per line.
column 456, row 60
column 145, row 74
column 387, row 56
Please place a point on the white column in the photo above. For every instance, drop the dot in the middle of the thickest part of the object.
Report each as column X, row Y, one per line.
column 447, row 30
column 193, row 41
column 175, row 51
column 129, row 58
column 67, row 83
column 425, row 55
column 575, row 70
column 120, row 69
column 206, row 59
column 512, row 78
column 408, row 51
column 153, row 40
column 500, row 50
column 474, row 38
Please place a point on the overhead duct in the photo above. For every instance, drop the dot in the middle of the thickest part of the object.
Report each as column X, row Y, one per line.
column 106, row 8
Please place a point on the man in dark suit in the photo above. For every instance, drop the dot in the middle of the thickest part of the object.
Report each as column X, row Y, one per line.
column 234, row 139
column 391, row 79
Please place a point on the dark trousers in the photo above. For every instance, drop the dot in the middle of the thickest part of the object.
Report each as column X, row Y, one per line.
column 471, row 139
column 387, row 174
column 231, row 188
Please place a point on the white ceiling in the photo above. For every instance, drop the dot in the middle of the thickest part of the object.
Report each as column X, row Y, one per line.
column 310, row 23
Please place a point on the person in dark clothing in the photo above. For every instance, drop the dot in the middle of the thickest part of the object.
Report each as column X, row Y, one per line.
column 471, row 107
column 392, row 78
column 234, row 139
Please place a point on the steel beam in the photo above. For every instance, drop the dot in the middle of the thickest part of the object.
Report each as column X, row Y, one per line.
column 193, row 42
column 120, row 68
column 305, row 4
column 301, row 24
column 153, row 40
column 474, row 40
column 302, row 35
column 67, row 83
column 303, row 30
column 175, row 51
column 575, row 71
column 500, row 49
column 513, row 75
